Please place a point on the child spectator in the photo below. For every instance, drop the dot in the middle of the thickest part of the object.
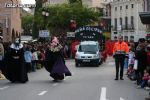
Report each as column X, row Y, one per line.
column 34, row 59
column 131, row 57
column 28, row 59
column 145, row 79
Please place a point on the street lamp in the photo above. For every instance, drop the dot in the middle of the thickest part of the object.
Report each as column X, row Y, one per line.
column 45, row 15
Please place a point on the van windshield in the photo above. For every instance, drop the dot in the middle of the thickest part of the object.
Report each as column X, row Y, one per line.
column 88, row 48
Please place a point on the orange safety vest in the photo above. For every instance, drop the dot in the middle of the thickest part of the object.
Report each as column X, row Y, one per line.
column 120, row 47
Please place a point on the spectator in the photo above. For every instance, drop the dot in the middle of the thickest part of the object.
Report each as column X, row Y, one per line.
column 1, row 59
column 28, row 59
column 145, row 79
column 141, row 57
column 34, row 59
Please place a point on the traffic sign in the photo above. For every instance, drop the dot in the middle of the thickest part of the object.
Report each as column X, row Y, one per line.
column 44, row 33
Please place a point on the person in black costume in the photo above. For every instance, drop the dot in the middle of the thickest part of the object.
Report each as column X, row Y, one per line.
column 15, row 64
column 54, row 61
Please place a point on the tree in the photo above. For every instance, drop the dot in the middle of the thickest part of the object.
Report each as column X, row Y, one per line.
column 75, row 1
column 35, row 29
column 27, row 24
column 61, row 15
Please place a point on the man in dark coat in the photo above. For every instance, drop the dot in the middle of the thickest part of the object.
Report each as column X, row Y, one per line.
column 141, row 57
column 15, row 64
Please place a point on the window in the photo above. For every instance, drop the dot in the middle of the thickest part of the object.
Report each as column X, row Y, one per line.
column 125, row 38
column 126, row 6
column 115, row 8
column 126, row 22
column 148, row 5
column 120, row 7
column 132, row 5
column 115, row 23
column 132, row 38
column 121, row 21
column 115, row 37
column 88, row 48
column 115, row 32
column 132, row 22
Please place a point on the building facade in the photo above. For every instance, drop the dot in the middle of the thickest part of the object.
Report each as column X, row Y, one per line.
column 10, row 21
column 145, row 16
column 105, row 21
column 125, row 19
column 53, row 2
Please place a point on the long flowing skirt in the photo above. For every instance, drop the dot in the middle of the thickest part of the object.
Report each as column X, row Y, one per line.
column 59, row 70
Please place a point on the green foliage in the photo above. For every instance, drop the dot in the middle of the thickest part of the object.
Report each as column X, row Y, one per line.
column 60, row 15
column 37, row 19
column 27, row 23
column 75, row 1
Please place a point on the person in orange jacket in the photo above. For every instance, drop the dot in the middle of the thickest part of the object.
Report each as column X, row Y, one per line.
column 120, row 50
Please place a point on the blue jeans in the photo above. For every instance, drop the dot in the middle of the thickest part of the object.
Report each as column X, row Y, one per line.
column 143, row 83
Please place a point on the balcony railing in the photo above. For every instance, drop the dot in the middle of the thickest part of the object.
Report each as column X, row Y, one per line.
column 114, row 28
column 128, row 27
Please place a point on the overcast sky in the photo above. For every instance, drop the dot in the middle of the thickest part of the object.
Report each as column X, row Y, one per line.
column 28, row 1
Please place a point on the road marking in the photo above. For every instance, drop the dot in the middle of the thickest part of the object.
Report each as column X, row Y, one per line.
column 111, row 63
column 5, row 87
column 55, row 84
column 42, row 93
column 121, row 98
column 103, row 94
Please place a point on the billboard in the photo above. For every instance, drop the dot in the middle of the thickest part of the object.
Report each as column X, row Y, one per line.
column 86, row 33
column 44, row 33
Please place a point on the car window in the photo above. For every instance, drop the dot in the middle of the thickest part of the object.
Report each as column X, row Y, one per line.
column 88, row 48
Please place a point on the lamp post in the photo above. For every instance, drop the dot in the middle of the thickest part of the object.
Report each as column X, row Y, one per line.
column 45, row 15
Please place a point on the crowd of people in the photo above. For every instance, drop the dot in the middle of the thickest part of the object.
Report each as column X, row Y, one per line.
column 137, row 57
column 139, row 64
column 17, row 60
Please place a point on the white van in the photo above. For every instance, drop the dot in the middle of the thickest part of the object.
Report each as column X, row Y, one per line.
column 88, row 52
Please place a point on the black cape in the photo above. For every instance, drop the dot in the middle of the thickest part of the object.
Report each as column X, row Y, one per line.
column 15, row 70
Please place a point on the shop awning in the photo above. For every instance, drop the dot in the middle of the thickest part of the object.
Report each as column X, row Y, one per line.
column 145, row 17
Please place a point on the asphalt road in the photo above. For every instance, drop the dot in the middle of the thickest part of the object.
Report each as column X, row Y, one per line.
column 86, row 83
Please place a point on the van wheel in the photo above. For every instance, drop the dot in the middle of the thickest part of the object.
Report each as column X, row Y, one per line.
column 97, row 64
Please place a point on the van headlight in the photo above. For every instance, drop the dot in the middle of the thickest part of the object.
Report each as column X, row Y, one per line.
column 77, row 56
column 96, row 56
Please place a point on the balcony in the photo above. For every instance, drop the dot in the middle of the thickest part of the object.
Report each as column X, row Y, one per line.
column 131, row 27
column 128, row 27
column 114, row 28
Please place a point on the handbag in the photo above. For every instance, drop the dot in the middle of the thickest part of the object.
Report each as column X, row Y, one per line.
column 135, row 64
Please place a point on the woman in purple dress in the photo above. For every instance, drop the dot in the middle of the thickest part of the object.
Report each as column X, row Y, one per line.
column 54, row 61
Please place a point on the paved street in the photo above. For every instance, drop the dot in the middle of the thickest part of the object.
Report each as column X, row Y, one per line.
column 87, row 83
